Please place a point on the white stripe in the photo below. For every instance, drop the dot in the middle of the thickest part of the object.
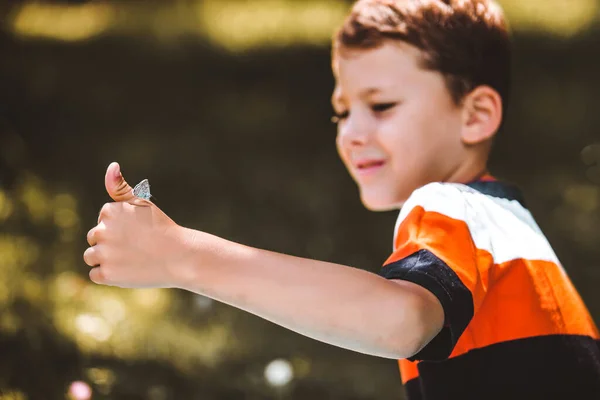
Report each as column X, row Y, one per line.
column 502, row 227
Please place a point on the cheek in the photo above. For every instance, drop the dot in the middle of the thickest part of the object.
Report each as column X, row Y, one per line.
column 414, row 141
column 398, row 136
column 342, row 153
column 338, row 141
column 420, row 129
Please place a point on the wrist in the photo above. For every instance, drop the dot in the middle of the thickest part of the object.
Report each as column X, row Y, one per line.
column 184, row 270
column 202, row 256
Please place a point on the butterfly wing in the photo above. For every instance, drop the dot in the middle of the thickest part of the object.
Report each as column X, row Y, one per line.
column 142, row 190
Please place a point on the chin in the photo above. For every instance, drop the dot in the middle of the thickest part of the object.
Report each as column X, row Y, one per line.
column 380, row 201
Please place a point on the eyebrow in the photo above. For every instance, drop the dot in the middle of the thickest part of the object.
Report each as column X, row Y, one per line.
column 364, row 93
column 369, row 91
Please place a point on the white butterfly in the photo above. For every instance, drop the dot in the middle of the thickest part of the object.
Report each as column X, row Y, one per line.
column 142, row 190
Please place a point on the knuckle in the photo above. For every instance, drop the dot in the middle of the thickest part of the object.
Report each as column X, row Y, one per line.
column 88, row 256
column 95, row 235
column 106, row 210
column 108, row 273
column 90, row 236
column 123, row 188
column 96, row 275
column 99, row 234
column 94, row 256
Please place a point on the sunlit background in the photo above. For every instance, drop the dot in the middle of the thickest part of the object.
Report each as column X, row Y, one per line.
column 223, row 106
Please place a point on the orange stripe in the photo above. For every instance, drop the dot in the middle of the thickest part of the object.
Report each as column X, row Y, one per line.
column 513, row 300
column 408, row 370
column 483, row 178
column 450, row 240
column 487, row 178
column 527, row 298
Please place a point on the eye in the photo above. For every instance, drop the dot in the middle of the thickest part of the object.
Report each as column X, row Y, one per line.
column 338, row 117
column 380, row 107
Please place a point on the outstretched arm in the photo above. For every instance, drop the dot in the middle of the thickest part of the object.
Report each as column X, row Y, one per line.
column 136, row 245
column 336, row 304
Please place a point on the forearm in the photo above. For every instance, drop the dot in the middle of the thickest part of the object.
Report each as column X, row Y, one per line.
column 336, row 304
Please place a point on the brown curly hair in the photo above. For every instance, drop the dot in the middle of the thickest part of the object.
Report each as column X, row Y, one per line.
column 467, row 41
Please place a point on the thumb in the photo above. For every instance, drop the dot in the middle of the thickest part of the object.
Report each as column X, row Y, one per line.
column 116, row 186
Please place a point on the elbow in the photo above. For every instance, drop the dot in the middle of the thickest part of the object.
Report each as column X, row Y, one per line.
column 421, row 321
column 409, row 345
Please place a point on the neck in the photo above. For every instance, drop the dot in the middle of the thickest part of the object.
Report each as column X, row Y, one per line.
column 467, row 172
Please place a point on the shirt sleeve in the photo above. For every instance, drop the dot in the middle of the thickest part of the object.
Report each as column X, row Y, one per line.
column 434, row 248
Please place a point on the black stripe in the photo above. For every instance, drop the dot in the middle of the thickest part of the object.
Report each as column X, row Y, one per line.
column 413, row 389
column 499, row 189
column 427, row 270
column 544, row 367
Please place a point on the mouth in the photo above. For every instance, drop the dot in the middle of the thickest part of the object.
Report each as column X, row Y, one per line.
column 368, row 167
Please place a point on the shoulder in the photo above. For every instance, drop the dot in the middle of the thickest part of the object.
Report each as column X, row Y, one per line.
column 464, row 202
column 496, row 218
column 450, row 199
column 436, row 194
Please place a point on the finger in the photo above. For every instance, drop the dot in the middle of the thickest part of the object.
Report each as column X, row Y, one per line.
column 137, row 201
column 116, row 186
column 105, row 211
column 97, row 276
column 91, row 237
column 91, row 256
column 96, row 234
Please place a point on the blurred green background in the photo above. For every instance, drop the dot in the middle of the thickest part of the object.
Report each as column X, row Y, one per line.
column 224, row 106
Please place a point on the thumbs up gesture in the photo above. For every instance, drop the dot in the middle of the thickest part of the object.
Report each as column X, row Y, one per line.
column 134, row 244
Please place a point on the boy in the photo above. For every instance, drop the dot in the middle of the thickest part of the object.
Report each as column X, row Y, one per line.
column 472, row 301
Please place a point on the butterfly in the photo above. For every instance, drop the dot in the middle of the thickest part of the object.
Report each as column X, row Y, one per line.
column 142, row 190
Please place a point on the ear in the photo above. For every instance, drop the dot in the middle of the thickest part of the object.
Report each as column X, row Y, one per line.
column 482, row 115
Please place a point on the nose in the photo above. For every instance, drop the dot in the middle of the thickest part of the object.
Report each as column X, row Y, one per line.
column 353, row 132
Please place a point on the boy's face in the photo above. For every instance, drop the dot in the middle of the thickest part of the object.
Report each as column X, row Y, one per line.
column 398, row 126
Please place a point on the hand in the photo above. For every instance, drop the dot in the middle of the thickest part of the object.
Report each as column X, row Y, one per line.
column 135, row 244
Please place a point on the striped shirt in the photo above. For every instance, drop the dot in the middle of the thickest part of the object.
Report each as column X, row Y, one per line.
column 515, row 326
